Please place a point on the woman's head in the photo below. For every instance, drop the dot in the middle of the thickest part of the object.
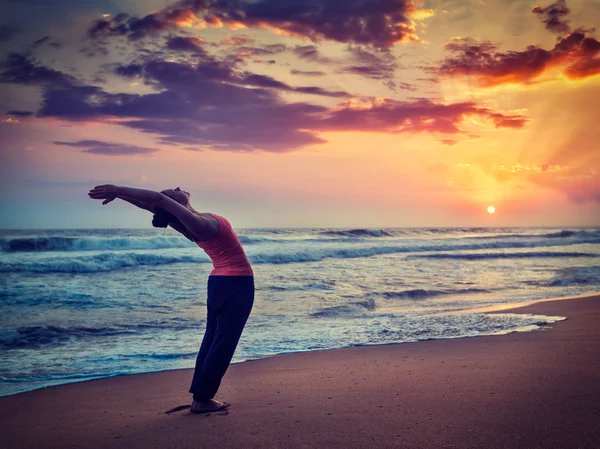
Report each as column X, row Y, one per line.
column 181, row 196
column 162, row 218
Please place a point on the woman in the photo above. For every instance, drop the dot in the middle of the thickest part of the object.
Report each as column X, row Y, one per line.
column 230, row 284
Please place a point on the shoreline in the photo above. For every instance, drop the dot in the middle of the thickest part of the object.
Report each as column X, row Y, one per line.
column 487, row 309
column 517, row 305
column 520, row 390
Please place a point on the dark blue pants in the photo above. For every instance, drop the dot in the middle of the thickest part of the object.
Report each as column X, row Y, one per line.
column 230, row 300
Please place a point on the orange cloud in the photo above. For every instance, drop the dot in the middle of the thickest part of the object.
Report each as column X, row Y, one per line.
column 576, row 55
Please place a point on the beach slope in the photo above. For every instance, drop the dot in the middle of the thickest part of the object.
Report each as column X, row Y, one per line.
column 536, row 389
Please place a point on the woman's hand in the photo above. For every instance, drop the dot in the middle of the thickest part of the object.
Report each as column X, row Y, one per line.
column 106, row 192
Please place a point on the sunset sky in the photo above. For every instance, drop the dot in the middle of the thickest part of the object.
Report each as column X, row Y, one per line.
column 302, row 113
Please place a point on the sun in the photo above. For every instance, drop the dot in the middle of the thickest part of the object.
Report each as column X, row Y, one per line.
column 491, row 210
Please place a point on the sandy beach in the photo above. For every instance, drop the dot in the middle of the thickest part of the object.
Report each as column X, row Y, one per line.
column 536, row 389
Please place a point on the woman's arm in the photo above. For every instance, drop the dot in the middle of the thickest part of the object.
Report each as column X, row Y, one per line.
column 196, row 225
column 109, row 193
column 138, row 197
column 140, row 204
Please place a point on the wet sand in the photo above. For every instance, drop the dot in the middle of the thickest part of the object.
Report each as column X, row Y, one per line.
column 536, row 389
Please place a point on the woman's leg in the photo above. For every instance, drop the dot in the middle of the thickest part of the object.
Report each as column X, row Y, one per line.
column 209, row 333
column 232, row 304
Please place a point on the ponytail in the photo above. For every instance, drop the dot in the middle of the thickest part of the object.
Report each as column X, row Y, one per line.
column 162, row 218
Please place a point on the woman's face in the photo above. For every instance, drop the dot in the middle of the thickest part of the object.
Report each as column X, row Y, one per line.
column 181, row 196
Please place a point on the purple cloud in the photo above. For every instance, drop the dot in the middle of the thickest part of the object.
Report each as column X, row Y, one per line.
column 229, row 117
column 310, row 53
column 367, row 71
column 41, row 41
column 404, row 86
column 265, row 50
column 130, row 70
column 381, row 23
column 163, row 74
column 186, row 44
column 211, row 105
column 307, row 73
column 109, row 148
column 20, row 113
column 18, row 68
column 369, row 64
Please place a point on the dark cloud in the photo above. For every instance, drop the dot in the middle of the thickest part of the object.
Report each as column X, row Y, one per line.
column 165, row 74
column 366, row 71
column 130, row 70
column 20, row 113
column 400, row 85
column 46, row 40
column 576, row 54
column 406, row 86
column 310, row 53
column 18, row 68
column 552, row 16
column 380, row 23
column 307, row 73
column 187, row 44
column 41, row 40
column 381, row 65
column 104, row 27
column 135, row 28
column 7, row 32
column 272, row 49
column 242, row 53
column 109, row 148
column 94, row 50
column 313, row 90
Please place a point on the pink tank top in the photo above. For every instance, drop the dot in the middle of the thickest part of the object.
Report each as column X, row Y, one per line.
column 226, row 252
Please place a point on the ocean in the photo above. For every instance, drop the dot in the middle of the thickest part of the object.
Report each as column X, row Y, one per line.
column 85, row 304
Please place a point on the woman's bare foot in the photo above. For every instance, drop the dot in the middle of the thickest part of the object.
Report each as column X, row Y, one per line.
column 208, row 406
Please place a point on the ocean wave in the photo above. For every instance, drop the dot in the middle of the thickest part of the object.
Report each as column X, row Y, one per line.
column 583, row 235
column 294, row 252
column 358, row 233
column 41, row 244
column 576, row 276
column 97, row 263
column 483, row 256
column 422, row 293
column 359, row 307
column 37, row 336
column 46, row 244
column 77, row 244
column 166, row 356
column 32, row 337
